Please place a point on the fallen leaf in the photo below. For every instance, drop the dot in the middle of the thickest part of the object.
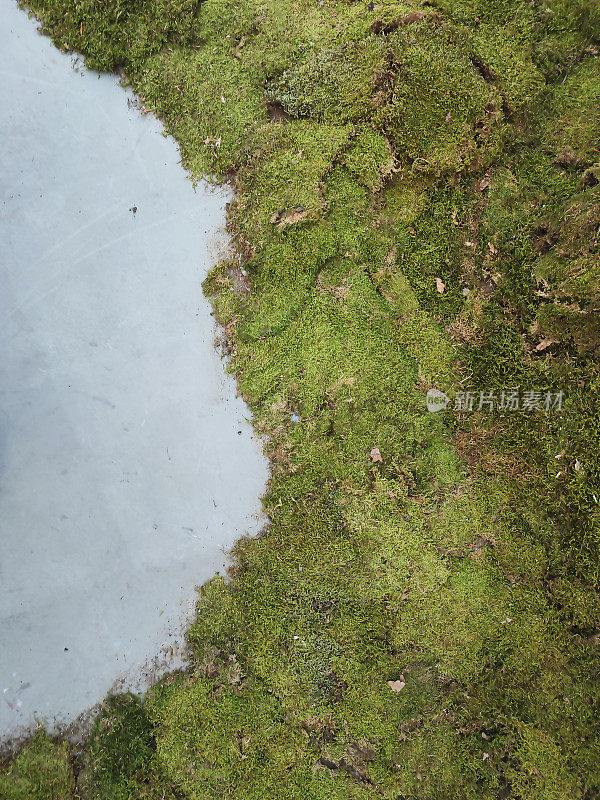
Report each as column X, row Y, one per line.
column 545, row 344
column 414, row 16
column 292, row 216
column 238, row 47
column 397, row 686
column 567, row 158
column 493, row 250
column 376, row 456
column 440, row 285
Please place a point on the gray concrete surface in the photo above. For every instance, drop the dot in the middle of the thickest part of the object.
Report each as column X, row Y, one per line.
column 127, row 465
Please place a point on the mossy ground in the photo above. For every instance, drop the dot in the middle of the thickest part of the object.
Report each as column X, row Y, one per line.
column 380, row 150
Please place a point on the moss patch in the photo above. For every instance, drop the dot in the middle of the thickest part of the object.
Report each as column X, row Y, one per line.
column 416, row 208
column 41, row 771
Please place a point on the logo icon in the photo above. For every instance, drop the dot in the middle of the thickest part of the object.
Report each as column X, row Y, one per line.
column 436, row 400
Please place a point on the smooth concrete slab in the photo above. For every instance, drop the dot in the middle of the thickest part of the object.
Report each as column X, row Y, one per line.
column 127, row 465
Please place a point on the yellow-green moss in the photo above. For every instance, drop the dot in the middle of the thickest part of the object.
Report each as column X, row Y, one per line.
column 41, row 771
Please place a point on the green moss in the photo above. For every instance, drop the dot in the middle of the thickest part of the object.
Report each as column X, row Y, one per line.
column 286, row 168
column 574, row 122
column 584, row 15
column 41, row 771
column 118, row 763
column 370, row 158
column 234, row 741
column 210, row 101
column 495, row 12
column 416, row 207
column 116, row 34
column 507, row 54
column 441, row 110
column 332, row 83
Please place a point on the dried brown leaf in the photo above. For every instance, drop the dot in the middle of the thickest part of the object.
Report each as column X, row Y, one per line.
column 397, row 686
column 376, row 456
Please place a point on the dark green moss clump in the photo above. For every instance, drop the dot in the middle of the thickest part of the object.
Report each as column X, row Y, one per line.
column 118, row 762
column 417, row 207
